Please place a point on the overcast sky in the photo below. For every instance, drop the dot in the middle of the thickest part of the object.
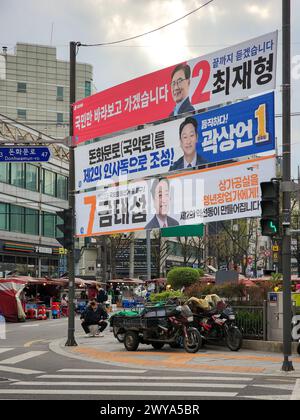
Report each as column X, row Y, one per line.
column 222, row 23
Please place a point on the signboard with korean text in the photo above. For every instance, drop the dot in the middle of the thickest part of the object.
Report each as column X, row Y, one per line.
column 24, row 154
column 241, row 129
column 213, row 194
column 232, row 73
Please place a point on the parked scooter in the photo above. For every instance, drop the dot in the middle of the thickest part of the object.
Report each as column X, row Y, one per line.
column 218, row 325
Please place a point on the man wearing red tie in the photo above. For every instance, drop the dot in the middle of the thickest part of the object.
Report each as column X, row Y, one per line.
column 161, row 199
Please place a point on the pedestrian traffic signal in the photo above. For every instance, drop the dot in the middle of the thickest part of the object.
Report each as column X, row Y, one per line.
column 270, row 208
column 65, row 226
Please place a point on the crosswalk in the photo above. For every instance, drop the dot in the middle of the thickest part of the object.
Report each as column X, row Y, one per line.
column 112, row 382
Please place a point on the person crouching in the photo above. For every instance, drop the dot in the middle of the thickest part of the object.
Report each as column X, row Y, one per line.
column 94, row 315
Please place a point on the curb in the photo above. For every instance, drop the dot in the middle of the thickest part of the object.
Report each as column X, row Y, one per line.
column 267, row 346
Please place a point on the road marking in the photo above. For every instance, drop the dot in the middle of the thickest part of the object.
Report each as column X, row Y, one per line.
column 29, row 343
column 296, row 391
column 20, row 371
column 4, row 349
column 157, row 378
column 29, row 326
column 276, row 386
column 266, row 397
column 118, row 392
column 22, row 357
column 103, row 370
column 135, row 384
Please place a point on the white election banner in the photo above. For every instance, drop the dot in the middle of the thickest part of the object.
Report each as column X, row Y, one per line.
column 209, row 195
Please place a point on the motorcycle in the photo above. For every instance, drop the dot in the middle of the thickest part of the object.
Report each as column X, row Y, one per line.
column 219, row 325
column 160, row 326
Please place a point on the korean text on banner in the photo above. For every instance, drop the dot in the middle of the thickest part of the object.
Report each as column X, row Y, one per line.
column 244, row 128
column 233, row 73
column 221, row 193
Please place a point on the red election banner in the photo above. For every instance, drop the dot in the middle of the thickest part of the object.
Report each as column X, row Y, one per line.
column 226, row 75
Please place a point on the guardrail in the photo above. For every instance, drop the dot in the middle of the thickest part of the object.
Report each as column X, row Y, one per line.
column 251, row 320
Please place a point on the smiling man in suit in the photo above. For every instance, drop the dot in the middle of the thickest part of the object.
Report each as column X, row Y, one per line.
column 188, row 133
column 180, row 85
column 161, row 198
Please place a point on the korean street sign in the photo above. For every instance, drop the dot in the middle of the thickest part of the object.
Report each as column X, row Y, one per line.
column 24, row 154
column 182, row 231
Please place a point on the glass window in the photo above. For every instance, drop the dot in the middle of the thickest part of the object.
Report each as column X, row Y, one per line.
column 21, row 87
column 49, row 183
column 4, row 173
column 21, row 113
column 59, row 118
column 16, row 218
column 32, row 177
column 17, row 174
column 59, row 93
column 4, row 216
column 31, row 221
column 49, row 224
column 62, row 187
column 87, row 90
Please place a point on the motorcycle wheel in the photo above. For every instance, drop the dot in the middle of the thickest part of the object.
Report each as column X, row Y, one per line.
column 131, row 341
column 298, row 348
column 157, row 346
column 193, row 341
column 118, row 335
column 234, row 339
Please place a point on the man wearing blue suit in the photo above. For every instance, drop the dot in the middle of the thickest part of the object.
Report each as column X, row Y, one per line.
column 161, row 200
column 188, row 133
column 180, row 84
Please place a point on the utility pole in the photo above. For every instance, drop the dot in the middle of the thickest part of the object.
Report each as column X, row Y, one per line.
column 71, row 257
column 286, row 177
column 148, row 244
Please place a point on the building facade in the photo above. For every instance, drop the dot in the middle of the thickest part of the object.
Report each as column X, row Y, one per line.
column 34, row 104
column 34, row 88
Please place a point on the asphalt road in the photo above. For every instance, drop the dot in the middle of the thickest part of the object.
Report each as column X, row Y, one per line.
column 29, row 370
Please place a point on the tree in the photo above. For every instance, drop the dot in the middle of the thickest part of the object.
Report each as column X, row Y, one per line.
column 182, row 276
column 160, row 250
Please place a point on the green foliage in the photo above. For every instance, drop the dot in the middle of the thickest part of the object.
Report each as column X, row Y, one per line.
column 163, row 296
column 201, row 272
column 182, row 276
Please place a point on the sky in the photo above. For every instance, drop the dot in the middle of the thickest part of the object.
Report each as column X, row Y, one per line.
column 220, row 24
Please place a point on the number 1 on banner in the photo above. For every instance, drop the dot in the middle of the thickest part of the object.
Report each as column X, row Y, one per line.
column 262, row 134
column 91, row 200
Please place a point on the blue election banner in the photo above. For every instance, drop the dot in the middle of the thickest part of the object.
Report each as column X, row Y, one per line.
column 244, row 128
column 223, row 134
column 24, row 154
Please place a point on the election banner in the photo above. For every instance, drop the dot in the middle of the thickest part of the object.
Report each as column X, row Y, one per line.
column 232, row 73
column 213, row 194
column 242, row 129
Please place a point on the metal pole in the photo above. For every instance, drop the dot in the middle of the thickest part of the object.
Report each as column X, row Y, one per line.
column 286, row 176
column 148, row 233
column 71, row 260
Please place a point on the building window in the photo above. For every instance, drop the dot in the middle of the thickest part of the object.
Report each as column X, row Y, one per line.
column 31, row 177
column 17, row 174
column 88, row 88
column 62, row 187
column 21, row 113
column 4, row 216
column 21, row 87
column 49, row 224
column 49, row 182
column 31, row 221
column 59, row 118
column 4, row 172
column 59, row 93
column 16, row 219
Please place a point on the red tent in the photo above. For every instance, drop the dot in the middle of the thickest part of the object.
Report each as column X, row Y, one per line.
column 10, row 304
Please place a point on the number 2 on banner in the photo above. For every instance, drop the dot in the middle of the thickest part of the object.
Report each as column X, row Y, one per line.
column 262, row 134
column 91, row 200
column 199, row 95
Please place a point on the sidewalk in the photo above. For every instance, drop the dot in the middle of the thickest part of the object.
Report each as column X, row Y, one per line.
column 209, row 359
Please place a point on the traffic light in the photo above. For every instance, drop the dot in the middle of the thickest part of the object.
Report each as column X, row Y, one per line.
column 270, row 208
column 65, row 225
